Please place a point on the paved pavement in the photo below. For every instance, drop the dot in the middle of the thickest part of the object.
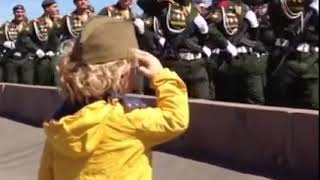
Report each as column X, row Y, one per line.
column 21, row 147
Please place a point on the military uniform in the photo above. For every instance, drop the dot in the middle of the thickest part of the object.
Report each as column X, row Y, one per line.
column 17, row 63
column 293, row 68
column 115, row 11
column 182, row 51
column 239, row 77
column 44, row 45
column 72, row 24
column 152, row 41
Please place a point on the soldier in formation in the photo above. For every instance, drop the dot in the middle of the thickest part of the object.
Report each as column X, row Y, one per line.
column 257, row 52
column 184, row 29
column 72, row 24
column 294, row 66
column 16, row 64
column 40, row 41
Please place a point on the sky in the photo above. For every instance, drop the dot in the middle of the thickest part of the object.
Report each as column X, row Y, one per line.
column 33, row 7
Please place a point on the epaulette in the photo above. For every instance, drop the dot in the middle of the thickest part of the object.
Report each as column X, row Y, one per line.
column 131, row 103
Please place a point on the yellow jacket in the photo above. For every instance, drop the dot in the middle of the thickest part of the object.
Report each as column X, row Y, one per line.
column 102, row 141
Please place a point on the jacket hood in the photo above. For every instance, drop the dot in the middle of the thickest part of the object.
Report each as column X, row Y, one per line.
column 77, row 134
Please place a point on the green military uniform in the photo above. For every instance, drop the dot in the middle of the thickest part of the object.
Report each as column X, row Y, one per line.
column 239, row 78
column 72, row 24
column 40, row 38
column 152, row 41
column 117, row 12
column 181, row 53
column 18, row 65
column 293, row 68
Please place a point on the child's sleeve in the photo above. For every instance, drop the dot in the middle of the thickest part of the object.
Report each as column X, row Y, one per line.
column 171, row 116
column 45, row 170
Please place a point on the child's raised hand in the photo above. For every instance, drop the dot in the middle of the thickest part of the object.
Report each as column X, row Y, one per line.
column 148, row 64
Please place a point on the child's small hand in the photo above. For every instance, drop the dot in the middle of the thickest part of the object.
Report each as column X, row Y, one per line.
column 148, row 64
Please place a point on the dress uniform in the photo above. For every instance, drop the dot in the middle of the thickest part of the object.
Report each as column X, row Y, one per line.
column 44, row 45
column 18, row 65
column 116, row 11
column 183, row 27
column 72, row 24
column 293, row 68
column 151, row 40
column 239, row 61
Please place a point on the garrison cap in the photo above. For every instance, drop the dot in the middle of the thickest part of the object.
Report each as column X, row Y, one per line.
column 47, row 3
column 104, row 39
column 18, row 6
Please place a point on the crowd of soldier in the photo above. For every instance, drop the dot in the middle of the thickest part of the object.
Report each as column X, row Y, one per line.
column 256, row 52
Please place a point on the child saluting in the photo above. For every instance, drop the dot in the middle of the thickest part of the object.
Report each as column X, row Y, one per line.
column 96, row 135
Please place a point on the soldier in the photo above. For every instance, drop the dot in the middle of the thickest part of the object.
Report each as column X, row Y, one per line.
column 72, row 24
column 240, row 58
column 120, row 10
column 294, row 70
column 45, row 45
column 17, row 64
column 151, row 40
column 183, row 28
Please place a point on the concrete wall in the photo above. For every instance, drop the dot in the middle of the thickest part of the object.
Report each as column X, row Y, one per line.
column 270, row 139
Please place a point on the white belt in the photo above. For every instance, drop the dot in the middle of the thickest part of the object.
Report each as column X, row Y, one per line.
column 306, row 48
column 282, row 42
column 216, row 51
column 240, row 50
column 190, row 56
column 244, row 50
column 17, row 54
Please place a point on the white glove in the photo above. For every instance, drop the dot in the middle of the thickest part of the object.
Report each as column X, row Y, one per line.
column 50, row 54
column 17, row 54
column 162, row 41
column 315, row 5
column 201, row 24
column 9, row 44
column 40, row 53
column 139, row 24
column 232, row 49
column 252, row 18
column 207, row 51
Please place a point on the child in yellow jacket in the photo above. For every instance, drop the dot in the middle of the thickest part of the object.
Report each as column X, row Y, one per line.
column 95, row 136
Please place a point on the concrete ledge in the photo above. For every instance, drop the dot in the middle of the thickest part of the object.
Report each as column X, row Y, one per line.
column 28, row 104
column 281, row 140
column 305, row 150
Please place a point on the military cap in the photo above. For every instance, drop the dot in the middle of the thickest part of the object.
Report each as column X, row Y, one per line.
column 18, row 6
column 104, row 39
column 47, row 3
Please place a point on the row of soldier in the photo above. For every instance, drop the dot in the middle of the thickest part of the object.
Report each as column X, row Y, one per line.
column 257, row 52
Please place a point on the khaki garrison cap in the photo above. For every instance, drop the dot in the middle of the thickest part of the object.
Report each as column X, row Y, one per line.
column 104, row 39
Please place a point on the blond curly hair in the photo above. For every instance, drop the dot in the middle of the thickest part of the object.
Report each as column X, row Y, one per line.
column 84, row 83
